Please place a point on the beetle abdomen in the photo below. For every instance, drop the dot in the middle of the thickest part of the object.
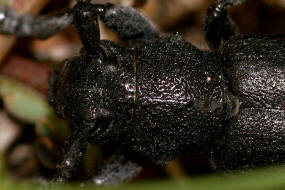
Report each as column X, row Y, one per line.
column 255, row 68
column 256, row 137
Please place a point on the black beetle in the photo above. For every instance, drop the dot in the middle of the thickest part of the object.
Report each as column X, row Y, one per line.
column 164, row 96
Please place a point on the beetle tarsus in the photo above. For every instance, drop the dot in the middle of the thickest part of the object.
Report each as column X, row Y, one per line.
column 119, row 169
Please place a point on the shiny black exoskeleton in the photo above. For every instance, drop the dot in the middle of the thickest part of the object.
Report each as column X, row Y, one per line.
column 163, row 96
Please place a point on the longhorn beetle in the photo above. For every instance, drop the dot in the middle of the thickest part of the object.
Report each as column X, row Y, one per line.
column 163, row 96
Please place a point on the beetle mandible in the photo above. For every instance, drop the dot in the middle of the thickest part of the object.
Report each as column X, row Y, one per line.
column 163, row 96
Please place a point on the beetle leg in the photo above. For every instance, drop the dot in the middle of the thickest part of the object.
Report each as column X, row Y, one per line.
column 86, row 17
column 129, row 24
column 218, row 26
column 121, row 168
column 35, row 26
column 72, row 154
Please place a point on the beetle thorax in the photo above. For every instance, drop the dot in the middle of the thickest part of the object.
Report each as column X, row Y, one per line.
column 180, row 99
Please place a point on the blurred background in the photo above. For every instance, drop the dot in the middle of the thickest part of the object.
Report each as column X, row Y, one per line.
column 31, row 135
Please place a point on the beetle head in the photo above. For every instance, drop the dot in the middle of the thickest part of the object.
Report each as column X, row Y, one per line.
column 91, row 89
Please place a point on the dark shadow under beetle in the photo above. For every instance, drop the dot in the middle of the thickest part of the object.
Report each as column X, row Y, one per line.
column 163, row 96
